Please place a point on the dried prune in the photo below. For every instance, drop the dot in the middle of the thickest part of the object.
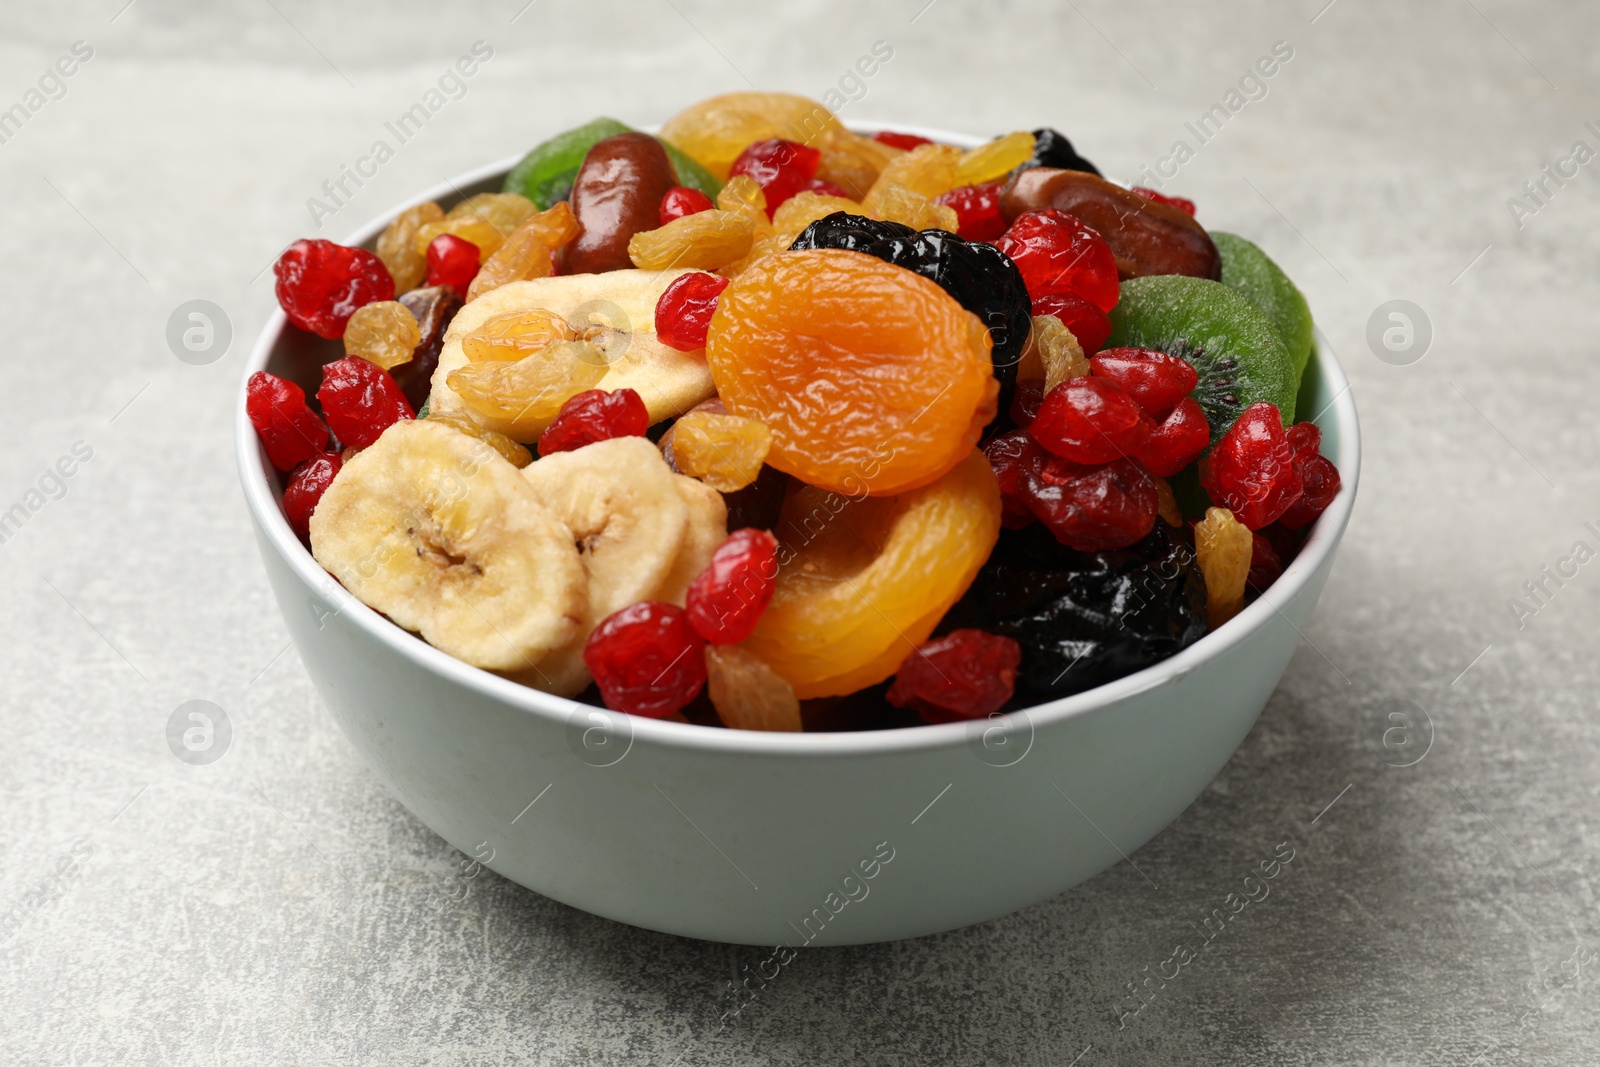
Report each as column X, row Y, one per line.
column 1085, row 618
column 1052, row 149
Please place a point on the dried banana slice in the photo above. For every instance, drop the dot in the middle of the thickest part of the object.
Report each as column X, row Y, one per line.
column 707, row 528
column 439, row 532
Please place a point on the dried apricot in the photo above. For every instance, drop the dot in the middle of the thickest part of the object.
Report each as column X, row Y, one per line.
column 716, row 130
column 383, row 332
column 748, row 694
column 516, row 335
column 724, row 451
column 705, row 240
column 862, row 582
column 527, row 393
column 872, row 379
column 527, row 251
column 1222, row 547
column 397, row 245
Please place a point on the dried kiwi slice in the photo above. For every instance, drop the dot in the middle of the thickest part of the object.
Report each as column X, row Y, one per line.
column 1248, row 269
column 1229, row 340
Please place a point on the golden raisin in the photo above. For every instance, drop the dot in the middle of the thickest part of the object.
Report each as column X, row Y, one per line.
column 397, row 245
column 748, row 694
column 525, row 393
column 929, row 169
column 515, row 335
column 504, row 211
column 467, row 227
column 1167, row 502
column 1222, row 546
column 705, row 240
column 714, row 131
column 527, row 252
column 893, row 202
column 871, row 378
column 724, row 451
column 989, row 162
column 385, row 333
column 853, row 162
column 802, row 209
column 1059, row 352
column 516, row 454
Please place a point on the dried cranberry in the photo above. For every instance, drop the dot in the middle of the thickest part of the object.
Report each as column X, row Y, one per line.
column 1320, row 479
column 1251, row 470
column 1059, row 253
column 977, row 208
column 1091, row 420
column 305, row 488
column 682, row 200
column 360, row 400
column 1025, row 402
column 1013, row 457
column 906, row 141
column 782, row 168
column 1156, row 380
column 595, row 415
column 1177, row 440
column 1088, row 324
column 966, row 674
column 452, row 261
column 1093, row 508
column 1305, row 438
column 1178, row 202
column 725, row 601
column 289, row 430
column 646, row 659
column 321, row 284
column 683, row 314
column 1265, row 566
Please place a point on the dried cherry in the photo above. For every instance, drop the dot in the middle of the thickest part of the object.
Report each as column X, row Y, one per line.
column 966, row 674
column 595, row 415
column 320, row 284
column 646, row 659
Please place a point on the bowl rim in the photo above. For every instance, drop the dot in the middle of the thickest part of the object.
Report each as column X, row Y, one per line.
column 256, row 476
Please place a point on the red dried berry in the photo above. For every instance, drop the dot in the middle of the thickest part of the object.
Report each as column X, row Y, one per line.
column 1088, row 324
column 1091, row 420
column 1025, row 402
column 725, row 601
column 907, row 141
column 782, row 168
column 1251, row 471
column 1177, row 440
column 289, row 430
column 452, row 261
column 826, row 188
column 1156, row 380
column 1171, row 201
column 1265, row 566
column 683, row 314
column 1320, row 481
column 1060, row 253
column 360, row 400
column 1013, row 457
column 1093, row 508
column 595, row 415
column 646, row 659
column 977, row 208
column 1305, row 438
column 321, row 284
column 305, row 488
column 967, row 674
column 680, row 201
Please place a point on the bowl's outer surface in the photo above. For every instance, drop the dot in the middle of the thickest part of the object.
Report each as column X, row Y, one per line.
column 761, row 839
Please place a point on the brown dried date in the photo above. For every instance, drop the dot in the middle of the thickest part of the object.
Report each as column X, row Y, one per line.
column 433, row 308
column 616, row 194
column 1146, row 237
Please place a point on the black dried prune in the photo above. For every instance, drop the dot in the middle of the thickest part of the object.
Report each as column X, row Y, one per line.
column 1085, row 618
column 978, row 276
column 1052, row 149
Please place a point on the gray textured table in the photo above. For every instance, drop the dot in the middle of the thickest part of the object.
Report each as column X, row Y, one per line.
column 1430, row 756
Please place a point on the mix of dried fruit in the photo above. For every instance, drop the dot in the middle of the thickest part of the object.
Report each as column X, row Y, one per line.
column 823, row 422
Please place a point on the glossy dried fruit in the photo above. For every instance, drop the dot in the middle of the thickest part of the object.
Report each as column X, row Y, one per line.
column 433, row 308
column 646, row 659
column 966, row 674
column 516, row 335
column 1155, row 379
column 1167, row 502
column 616, row 194
column 306, row 486
column 706, row 240
column 1014, row 457
column 384, row 333
column 1058, row 254
column 1223, row 547
column 714, row 131
column 480, row 233
column 289, row 430
column 904, row 141
column 320, row 284
column 1320, row 484
column 680, row 201
column 724, row 451
column 527, row 392
column 1265, row 566
column 1147, row 238
column 870, row 377
column 1059, row 356
column 504, row 211
column 1091, row 508
column 683, row 314
column 529, row 251
column 452, row 261
column 1052, row 149
column 727, row 599
column 782, row 168
column 515, row 454
column 595, row 415
column 1091, row 420
column 977, row 208
column 1184, row 205
column 995, row 159
column 863, row 581
column 748, row 694
column 1177, row 440
column 360, row 400
column 1252, row 470
column 397, row 245
column 1089, row 325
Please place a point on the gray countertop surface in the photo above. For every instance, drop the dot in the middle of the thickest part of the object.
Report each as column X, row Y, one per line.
column 278, row 907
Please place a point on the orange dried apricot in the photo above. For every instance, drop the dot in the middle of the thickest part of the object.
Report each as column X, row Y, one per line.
column 871, row 378
column 862, row 582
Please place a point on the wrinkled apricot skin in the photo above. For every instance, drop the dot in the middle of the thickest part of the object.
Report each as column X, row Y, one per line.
column 1146, row 237
column 872, row 379
column 862, row 582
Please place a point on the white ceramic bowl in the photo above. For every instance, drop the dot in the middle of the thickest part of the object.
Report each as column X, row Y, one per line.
column 811, row 839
